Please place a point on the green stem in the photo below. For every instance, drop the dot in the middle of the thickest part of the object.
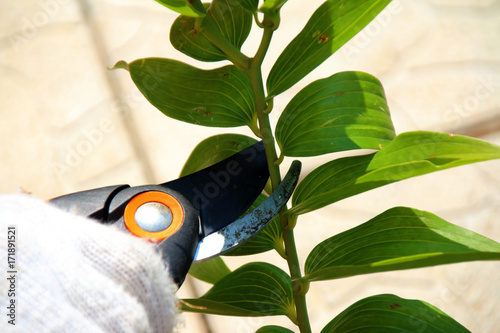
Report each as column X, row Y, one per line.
column 207, row 27
column 233, row 54
column 255, row 75
column 253, row 69
column 293, row 266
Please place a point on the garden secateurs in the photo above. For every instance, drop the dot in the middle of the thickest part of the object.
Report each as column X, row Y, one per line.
column 195, row 217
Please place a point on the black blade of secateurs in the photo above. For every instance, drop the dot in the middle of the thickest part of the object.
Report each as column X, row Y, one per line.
column 224, row 191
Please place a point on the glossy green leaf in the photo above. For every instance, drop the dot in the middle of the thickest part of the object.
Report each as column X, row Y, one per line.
column 215, row 149
column 219, row 97
column 255, row 289
column 269, row 238
column 346, row 111
column 209, row 271
column 233, row 21
column 190, row 41
column 399, row 238
column 250, row 5
column 271, row 6
column 410, row 154
column 271, row 10
column 331, row 26
column 390, row 313
column 183, row 7
column 273, row 329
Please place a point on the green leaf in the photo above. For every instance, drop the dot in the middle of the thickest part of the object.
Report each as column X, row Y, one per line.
column 273, row 329
column 270, row 7
column 331, row 26
column 255, row 289
column 120, row 64
column 219, row 97
column 269, row 238
column 183, row 7
column 250, row 5
column 215, row 149
column 231, row 19
column 187, row 39
column 209, row 271
column 271, row 10
column 390, row 313
column 410, row 154
column 399, row 238
column 345, row 111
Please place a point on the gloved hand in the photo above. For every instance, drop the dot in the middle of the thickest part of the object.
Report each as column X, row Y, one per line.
column 76, row 275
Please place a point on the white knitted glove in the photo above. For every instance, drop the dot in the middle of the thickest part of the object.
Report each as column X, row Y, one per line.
column 73, row 274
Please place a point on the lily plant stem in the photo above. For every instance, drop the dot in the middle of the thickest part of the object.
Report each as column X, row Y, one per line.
column 255, row 75
column 210, row 30
column 252, row 67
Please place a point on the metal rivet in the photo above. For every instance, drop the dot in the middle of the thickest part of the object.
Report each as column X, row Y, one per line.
column 153, row 217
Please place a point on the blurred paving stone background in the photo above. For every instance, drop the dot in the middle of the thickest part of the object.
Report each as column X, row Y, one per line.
column 68, row 124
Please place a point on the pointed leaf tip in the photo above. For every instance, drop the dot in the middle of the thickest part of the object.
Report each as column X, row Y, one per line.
column 332, row 25
column 410, row 154
column 220, row 97
column 399, row 238
column 120, row 64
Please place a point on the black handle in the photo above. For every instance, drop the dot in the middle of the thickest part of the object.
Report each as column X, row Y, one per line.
column 91, row 203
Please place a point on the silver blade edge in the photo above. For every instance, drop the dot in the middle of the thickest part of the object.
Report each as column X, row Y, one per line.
column 249, row 225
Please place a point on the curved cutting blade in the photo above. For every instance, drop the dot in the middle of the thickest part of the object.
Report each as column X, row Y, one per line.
column 247, row 226
column 224, row 191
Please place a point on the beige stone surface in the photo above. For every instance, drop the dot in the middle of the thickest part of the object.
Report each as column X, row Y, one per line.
column 68, row 124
